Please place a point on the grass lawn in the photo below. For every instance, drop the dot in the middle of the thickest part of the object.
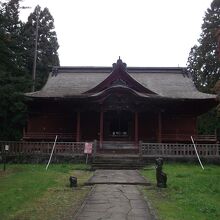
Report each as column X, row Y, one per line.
column 29, row 192
column 192, row 193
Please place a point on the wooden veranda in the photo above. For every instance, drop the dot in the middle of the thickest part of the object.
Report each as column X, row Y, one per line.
column 176, row 150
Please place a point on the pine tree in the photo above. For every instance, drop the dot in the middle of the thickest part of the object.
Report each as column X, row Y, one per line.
column 204, row 65
column 13, row 78
column 203, row 61
column 16, row 63
column 47, row 54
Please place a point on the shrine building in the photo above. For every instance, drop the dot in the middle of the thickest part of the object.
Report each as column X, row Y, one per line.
column 117, row 104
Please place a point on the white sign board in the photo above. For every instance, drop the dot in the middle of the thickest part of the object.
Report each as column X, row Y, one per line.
column 6, row 147
column 88, row 148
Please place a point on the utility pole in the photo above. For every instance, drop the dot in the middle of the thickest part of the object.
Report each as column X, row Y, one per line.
column 35, row 52
column 218, row 41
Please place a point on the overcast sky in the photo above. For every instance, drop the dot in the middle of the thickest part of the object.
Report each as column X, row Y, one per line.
column 143, row 32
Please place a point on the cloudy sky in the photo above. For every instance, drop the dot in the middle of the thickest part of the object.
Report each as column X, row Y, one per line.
column 143, row 32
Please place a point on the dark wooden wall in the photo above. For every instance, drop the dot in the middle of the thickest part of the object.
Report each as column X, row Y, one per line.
column 52, row 123
column 147, row 127
column 172, row 127
column 90, row 125
column 64, row 120
column 178, row 124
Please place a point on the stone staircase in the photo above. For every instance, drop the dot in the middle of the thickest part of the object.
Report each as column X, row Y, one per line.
column 119, row 162
column 118, row 144
column 118, row 147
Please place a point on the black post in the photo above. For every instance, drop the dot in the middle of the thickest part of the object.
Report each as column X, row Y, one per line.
column 4, row 158
column 5, row 149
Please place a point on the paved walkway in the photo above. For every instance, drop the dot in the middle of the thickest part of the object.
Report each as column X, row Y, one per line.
column 131, row 177
column 115, row 201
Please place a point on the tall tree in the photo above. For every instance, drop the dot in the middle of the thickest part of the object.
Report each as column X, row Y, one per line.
column 204, row 65
column 10, row 31
column 13, row 78
column 16, row 62
column 203, row 61
column 47, row 46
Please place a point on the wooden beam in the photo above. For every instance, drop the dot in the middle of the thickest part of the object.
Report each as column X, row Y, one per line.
column 159, row 139
column 27, row 126
column 136, row 136
column 78, row 127
column 101, row 128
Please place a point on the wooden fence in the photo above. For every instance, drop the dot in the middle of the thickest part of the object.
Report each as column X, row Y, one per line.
column 43, row 147
column 179, row 150
column 145, row 149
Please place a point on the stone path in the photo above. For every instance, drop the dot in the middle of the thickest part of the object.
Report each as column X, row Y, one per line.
column 131, row 177
column 115, row 201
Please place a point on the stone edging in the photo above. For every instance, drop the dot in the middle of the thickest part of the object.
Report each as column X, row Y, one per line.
column 82, row 205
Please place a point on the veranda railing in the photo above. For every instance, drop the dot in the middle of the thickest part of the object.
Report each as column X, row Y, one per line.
column 145, row 149
column 179, row 150
column 43, row 147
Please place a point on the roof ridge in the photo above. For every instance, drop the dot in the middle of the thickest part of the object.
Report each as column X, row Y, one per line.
column 92, row 69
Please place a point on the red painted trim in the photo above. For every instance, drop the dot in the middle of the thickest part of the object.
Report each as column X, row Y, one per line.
column 78, row 127
column 159, row 128
column 101, row 128
column 28, row 124
column 24, row 131
column 136, row 136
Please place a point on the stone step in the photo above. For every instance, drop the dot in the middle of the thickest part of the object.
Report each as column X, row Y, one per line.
column 118, row 151
column 109, row 165
column 118, row 146
column 117, row 163
column 114, row 168
column 104, row 160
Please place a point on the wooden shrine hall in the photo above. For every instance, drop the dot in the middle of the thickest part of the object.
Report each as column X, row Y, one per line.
column 116, row 104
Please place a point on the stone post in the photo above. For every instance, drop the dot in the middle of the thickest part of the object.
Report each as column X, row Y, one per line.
column 140, row 149
column 94, row 149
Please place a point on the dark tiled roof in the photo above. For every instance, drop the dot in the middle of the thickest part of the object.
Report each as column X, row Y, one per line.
column 75, row 81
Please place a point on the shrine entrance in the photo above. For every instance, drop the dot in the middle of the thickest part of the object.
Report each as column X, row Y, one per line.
column 118, row 125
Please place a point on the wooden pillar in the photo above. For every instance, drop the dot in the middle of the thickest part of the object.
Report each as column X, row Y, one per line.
column 159, row 139
column 101, row 128
column 27, row 126
column 136, row 137
column 78, row 127
column 24, row 131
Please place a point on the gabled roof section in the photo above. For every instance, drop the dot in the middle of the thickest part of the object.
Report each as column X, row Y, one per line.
column 83, row 82
column 120, row 76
